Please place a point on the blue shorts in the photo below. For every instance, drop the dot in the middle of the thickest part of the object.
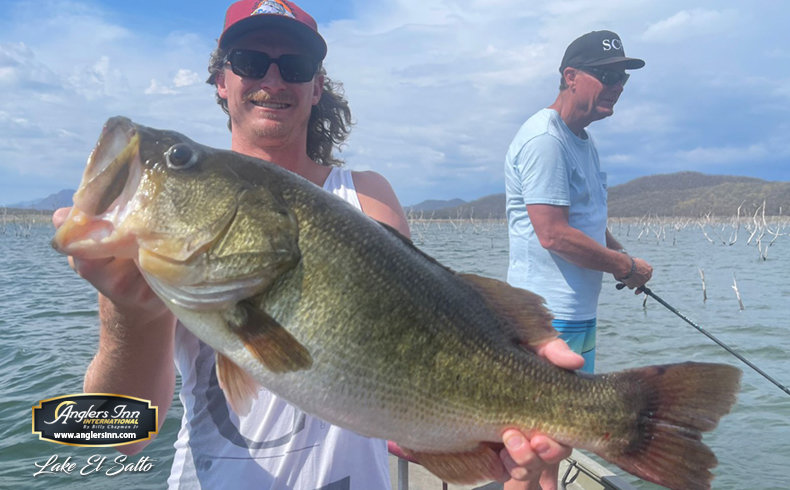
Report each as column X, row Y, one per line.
column 580, row 337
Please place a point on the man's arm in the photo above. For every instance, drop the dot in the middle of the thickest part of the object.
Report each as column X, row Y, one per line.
column 134, row 358
column 612, row 242
column 378, row 201
column 136, row 334
column 556, row 235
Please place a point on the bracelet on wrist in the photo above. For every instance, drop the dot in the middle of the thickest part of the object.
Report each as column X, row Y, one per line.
column 631, row 272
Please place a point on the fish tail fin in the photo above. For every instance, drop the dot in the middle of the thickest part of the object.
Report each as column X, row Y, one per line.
column 678, row 403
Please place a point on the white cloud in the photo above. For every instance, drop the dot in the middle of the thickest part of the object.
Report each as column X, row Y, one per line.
column 691, row 23
column 726, row 155
column 70, row 67
column 19, row 68
column 185, row 78
column 437, row 89
column 633, row 114
column 157, row 88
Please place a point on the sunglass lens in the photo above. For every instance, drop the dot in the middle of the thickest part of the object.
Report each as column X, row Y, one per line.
column 251, row 64
column 295, row 68
column 610, row 77
column 614, row 77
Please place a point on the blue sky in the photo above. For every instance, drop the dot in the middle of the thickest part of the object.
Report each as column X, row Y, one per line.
column 437, row 89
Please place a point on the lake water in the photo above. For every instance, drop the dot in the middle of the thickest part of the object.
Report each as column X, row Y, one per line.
column 48, row 336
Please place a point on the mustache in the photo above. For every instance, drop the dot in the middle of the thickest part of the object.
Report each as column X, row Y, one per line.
column 261, row 96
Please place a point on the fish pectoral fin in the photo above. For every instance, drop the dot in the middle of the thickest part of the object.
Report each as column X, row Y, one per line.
column 462, row 468
column 239, row 387
column 527, row 317
column 267, row 340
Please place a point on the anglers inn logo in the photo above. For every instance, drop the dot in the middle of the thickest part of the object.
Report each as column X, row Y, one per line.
column 95, row 419
column 273, row 7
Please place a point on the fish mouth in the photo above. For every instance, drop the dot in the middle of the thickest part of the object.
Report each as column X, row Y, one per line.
column 110, row 180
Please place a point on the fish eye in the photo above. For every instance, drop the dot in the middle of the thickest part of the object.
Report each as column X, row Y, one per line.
column 180, row 156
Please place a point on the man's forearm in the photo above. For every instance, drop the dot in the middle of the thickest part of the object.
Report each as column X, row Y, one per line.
column 612, row 242
column 134, row 358
column 579, row 249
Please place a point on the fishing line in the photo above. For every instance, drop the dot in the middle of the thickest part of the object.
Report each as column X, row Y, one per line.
column 653, row 295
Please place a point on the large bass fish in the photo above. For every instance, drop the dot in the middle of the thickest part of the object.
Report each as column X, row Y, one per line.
column 340, row 315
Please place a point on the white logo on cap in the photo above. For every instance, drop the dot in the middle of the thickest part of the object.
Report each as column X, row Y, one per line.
column 273, row 7
column 609, row 44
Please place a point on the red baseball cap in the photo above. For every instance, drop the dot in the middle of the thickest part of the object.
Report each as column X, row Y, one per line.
column 250, row 15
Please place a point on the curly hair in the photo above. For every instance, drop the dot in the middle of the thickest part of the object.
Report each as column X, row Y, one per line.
column 330, row 119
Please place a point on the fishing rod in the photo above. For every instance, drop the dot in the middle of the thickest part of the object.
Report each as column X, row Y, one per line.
column 653, row 295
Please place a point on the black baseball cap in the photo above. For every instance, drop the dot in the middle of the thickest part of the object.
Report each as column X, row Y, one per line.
column 598, row 48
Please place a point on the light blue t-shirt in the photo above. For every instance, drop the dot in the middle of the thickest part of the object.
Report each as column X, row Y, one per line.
column 548, row 164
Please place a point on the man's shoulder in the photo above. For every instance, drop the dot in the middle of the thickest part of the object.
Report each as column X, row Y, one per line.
column 378, row 200
column 540, row 126
column 537, row 135
column 369, row 181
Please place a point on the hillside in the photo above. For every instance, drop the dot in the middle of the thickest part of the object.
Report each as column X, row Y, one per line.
column 50, row 203
column 690, row 194
column 432, row 205
column 694, row 194
column 489, row 207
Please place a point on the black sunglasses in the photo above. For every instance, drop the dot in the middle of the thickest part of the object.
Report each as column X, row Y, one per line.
column 606, row 77
column 294, row 68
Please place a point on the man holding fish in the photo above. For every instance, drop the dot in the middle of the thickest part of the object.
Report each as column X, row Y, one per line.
column 293, row 116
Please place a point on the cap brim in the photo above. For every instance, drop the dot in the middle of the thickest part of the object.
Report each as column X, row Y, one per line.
column 314, row 42
column 630, row 63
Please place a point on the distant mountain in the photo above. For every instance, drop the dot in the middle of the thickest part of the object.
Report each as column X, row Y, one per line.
column 689, row 194
column 694, row 194
column 433, row 204
column 49, row 203
column 489, row 207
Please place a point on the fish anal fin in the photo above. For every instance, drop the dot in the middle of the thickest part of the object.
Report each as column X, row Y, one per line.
column 268, row 341
column 462, row 468
column 239, row 387
column 526, row 315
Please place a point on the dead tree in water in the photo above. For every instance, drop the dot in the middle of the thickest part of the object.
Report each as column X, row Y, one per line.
column 737, row 293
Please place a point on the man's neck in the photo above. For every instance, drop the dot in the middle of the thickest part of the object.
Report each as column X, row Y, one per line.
column 570, row 116
column 288, row 157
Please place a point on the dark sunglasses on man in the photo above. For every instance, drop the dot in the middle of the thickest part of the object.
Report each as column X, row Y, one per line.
column 606, row 77
column 294, row 68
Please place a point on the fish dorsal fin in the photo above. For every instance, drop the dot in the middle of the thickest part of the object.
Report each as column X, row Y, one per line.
column 239, row 387
column 414, row 248
column 527, row 319
column 525, row 314
column 395, row 232
column 268, row 341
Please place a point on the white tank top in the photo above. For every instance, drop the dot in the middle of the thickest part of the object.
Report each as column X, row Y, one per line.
column 276, row 446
